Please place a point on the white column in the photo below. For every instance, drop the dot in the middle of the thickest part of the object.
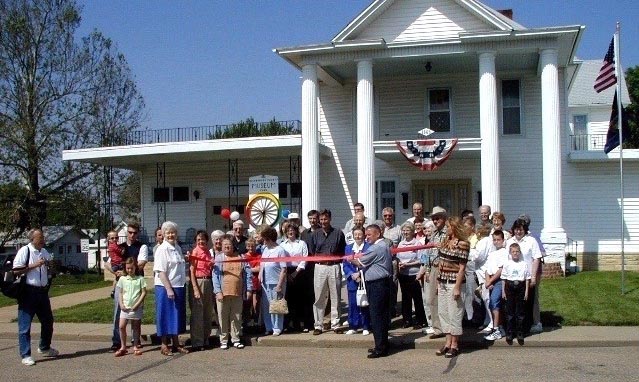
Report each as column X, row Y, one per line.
column 310, row 141
column 552, row 235
column 365, row 151
column 488, row 130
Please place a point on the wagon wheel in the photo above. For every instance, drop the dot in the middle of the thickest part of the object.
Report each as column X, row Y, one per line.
column 263, row 208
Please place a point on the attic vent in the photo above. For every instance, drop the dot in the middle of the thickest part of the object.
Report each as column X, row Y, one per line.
column 506, row 12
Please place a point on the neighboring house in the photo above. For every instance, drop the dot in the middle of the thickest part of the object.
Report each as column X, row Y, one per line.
column 456, row 67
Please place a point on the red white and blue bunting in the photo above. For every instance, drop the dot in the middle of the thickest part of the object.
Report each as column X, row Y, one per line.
column 428, row 154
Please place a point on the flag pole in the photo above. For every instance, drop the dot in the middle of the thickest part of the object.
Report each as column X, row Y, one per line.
column 620, row 128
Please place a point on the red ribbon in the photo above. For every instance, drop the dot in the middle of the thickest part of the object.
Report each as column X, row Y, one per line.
column 323, row 257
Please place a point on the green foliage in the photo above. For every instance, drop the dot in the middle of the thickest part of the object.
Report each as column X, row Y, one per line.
column 250, row 128
column 632, row 110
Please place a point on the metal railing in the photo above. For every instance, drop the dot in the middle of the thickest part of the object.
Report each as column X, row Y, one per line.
column 184, row 134
column 591, row 142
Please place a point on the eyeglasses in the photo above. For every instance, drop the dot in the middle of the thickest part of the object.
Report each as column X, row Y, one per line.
column 132, row 232
column 388, row 216
column 113, row 238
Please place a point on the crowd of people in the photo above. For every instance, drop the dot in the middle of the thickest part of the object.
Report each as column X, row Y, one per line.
column 452, row 271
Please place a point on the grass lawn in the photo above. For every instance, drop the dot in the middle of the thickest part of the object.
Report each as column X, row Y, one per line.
column 65, row 284
column 587, row 298
column 101, row 311
column 590, row 298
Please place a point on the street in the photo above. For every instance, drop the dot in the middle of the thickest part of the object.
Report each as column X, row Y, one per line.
column 82, row 361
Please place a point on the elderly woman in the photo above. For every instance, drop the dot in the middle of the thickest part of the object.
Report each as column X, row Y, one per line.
column 294, row 284
column 358, row 317
column 169, row 280
column 409, row 263
column 499, row 220
column 273, row 280
column 453, row 256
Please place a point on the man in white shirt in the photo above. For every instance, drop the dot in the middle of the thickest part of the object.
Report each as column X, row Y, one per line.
column 32, row 261
column 357, row 208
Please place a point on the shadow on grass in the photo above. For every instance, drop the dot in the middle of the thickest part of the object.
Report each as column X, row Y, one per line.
column 551, row 320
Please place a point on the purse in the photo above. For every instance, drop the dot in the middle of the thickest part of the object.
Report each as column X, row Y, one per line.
column 278, row 306
column 360, row 296
column 13, row 286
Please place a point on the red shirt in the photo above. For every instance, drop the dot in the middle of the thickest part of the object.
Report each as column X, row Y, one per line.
column 202, row 261
column 254, row 261
column 116, row 254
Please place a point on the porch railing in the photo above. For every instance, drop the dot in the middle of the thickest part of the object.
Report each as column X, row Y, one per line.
column 184, row 134
column 591, row 142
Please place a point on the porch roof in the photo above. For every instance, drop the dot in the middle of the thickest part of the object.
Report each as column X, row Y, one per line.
column 136, row 157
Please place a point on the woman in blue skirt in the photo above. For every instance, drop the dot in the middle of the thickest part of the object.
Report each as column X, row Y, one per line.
column 169, row 280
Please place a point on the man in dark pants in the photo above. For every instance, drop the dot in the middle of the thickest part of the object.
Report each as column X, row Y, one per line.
column 378, row 270
column 309, row 271
column 32, row 261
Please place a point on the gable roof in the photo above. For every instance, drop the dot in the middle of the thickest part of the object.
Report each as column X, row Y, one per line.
column 482, row 12
column 582, row 92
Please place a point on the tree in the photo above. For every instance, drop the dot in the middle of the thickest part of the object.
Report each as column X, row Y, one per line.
column 632, row 110
column 250, row 128
column 56, row 93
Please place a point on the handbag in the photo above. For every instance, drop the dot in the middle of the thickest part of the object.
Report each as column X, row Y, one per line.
column 13, row 286
column 360, row 296
column 278, row 306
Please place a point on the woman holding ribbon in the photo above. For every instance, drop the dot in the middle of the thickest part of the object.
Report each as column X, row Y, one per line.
column 358, row 317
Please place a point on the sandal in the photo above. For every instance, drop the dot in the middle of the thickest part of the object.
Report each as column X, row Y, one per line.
column 444, row 350
column 238, row 345
column 137, row 351
column 164, row 350
column 452, row 353
column 180, row 349
column 121, row 352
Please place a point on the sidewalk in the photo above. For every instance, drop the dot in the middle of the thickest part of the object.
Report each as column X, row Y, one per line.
column 570, row 336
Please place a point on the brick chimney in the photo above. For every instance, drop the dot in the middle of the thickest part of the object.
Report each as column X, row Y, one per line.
column 506, row 12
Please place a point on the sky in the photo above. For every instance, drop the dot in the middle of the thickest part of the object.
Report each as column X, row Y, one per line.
column 207, row 62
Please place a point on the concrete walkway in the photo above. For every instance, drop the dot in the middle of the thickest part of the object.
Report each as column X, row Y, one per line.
column 570, row 336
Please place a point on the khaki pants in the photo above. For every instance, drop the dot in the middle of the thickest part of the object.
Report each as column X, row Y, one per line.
column 429, row 295
column 327, row 282
column 202, row 313
column 451, row 311
column 230, row 318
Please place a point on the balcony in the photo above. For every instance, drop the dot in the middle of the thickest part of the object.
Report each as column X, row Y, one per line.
column 199, row 133
column 590, row 148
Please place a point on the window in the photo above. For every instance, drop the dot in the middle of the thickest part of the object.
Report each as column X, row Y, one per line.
column 439, row 110
column 511, row 107
column 61, row 249
column 580, row 124
column 180, row 194
column 161, row 195
column 384, row 195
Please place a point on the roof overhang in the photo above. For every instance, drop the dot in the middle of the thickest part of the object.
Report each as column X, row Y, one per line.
column 136, row 157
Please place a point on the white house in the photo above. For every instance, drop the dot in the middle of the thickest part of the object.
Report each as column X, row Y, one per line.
column 456, row 67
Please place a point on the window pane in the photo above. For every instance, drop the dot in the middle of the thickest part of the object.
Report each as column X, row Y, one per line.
column 180, row 194
column 580, row 124
column 512, row 121
column 161, row 195
column 439, row 121
column 510, row 93
column 439, row 99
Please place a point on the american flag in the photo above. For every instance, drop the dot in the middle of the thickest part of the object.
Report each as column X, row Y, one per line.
column 607, row 77
column 429, row 154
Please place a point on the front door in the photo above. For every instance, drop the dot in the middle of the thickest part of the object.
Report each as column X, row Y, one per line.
column 453, row 195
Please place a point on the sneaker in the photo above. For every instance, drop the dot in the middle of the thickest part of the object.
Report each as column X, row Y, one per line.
column 51, row 352
column 494, row 336
column 276, row 332
column 224, row 346
column 335, row 327
column 365, row 332
column 537, row 328
column 28, row 361
column 350, row 332
column 486, row 330
column 428, row 330
column 304, row 330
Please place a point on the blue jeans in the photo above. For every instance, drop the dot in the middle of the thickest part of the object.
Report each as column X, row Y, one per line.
column 272, row 322
column 115, row 339
column 34, row 302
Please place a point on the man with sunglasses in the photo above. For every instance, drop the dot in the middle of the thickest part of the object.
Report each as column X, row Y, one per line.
column 134, row 248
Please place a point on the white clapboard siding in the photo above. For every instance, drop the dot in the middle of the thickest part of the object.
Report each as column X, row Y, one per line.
column 419, row 20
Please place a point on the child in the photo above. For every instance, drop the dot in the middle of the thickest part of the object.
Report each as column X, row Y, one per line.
column 132, row 293
column 116, row 254
column 493, row 285
column 516, row 276
column 201, row 265
column 251, row 307
column 231, row 281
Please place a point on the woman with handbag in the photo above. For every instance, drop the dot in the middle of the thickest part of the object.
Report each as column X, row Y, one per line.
column 358, row 316
column 273, row 280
